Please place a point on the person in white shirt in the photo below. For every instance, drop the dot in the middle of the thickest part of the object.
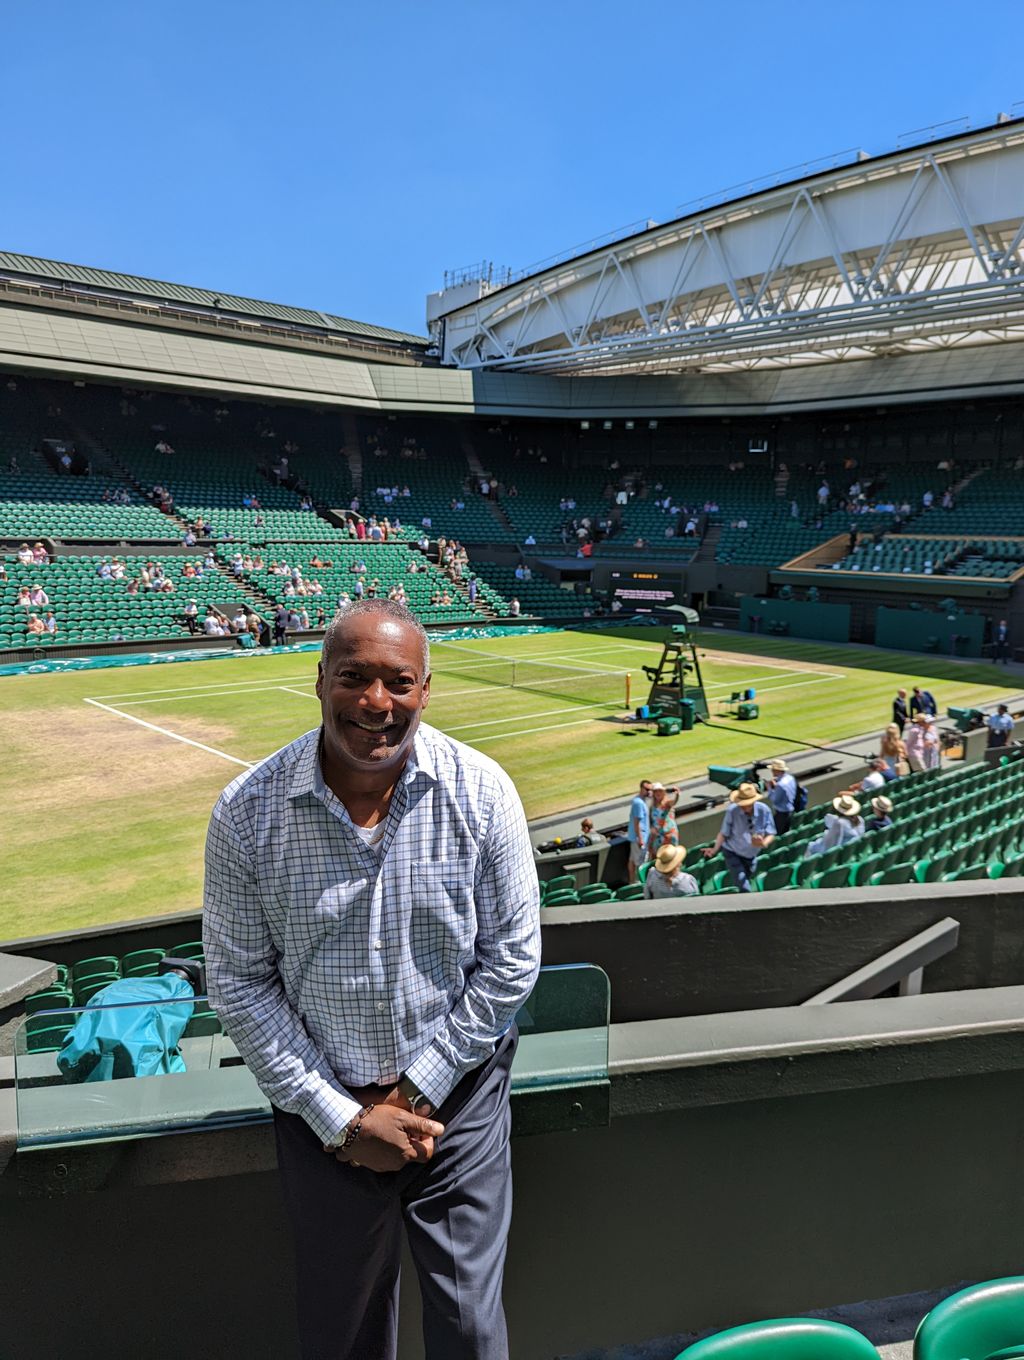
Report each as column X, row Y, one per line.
column 513, row 608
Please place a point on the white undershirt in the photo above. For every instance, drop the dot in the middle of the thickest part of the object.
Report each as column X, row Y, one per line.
column 370, row 835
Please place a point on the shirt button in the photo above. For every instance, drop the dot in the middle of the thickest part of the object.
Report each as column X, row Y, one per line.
column 380, row 1005
column 378, row 944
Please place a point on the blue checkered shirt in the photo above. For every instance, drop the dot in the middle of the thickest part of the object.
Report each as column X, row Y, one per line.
column 335, row 964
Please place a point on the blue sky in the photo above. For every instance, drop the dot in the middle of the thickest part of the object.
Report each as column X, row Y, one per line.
column 343, row 156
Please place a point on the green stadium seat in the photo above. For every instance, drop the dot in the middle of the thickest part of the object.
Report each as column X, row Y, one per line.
column 192, row 950
column 565, row 898
column 969, row 871
column 108, row 964
column 631, row 892
column 57, row 999
column 142, row 962
column 896, row 873
column 771, row 879
column 979, row 1323
column 596, row 892
column 836, row 877
column 785, row 1339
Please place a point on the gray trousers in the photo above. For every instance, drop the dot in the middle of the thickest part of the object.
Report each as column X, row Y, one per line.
column 347, row 1223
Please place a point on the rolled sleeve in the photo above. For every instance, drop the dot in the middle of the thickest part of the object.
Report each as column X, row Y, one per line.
column 507, row 897
column 246, row 990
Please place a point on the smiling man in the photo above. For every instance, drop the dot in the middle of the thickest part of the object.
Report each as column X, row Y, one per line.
column 372, row 926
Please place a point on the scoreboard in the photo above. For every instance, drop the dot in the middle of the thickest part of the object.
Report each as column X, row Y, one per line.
column 643, row 591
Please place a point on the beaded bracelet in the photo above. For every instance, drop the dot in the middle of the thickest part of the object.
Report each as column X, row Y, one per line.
column 354, row 1129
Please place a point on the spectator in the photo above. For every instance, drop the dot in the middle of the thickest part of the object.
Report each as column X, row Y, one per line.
column 280, row 625
column 842, row 825
column 240, row 622
column 191, row 613
column 35, row 624
column 25, row 556
column 879, row 774
column 513, row 608
column 586, row 836
column 1001, row 642
column 882, row 808
column 529, row 541
column 24, row 600
column 663, row 829
column 639, row 829
column 748, row 827
column 3, row 570
column 893, row 751
column 162, row 446
column 1000, row 728
column 899, row 710
column 304, row 619
column 38, row 595
column 665, row 877
column 782, row 791
column 921, row 701
column 212, row 624
column 921, row 741
column 40, row 556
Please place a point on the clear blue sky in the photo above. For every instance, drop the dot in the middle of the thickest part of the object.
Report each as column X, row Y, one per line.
column 342, row 156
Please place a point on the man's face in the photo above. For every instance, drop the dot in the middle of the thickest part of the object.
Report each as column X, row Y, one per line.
column 372, row 691
column 645, row 790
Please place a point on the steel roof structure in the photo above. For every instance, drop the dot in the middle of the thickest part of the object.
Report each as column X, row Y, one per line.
column 76, row 277
column 921, row 249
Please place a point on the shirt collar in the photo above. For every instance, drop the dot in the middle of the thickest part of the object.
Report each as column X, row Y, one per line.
column 307, row 776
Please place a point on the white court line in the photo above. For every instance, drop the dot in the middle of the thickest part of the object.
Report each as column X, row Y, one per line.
column 529, row 731
column 300, row 692
column 525, row 717
column 202, row 689
column 187, row 698
column 175, row 736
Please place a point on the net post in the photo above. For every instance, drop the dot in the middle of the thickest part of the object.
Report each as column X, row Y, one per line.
column 629, row 686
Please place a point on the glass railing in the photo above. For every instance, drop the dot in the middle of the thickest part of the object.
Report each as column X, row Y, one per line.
column 146, row 1068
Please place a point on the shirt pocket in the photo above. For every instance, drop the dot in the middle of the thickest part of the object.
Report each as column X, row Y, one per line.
column 442, row 921
column 324, row 915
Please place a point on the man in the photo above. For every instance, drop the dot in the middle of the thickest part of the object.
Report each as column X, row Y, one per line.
column 639, row 829
column 665, row 877
column 921, row 701
column 899, row 710
column 280, row 625
column 1000, row 728
column 879, row 774
column 371, row 926
column 1001, row 643
column 781, row 795
column 748, row 827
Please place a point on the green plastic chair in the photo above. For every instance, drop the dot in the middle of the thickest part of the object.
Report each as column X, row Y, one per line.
column 969, row 871
column 976, row 1324
column 193, row 950
column 56, row 1000
column 102, row 963
column 784, row 1339
column 596, row 892
column 632, row 892
column 560, row 883
column 771, row 879
column 643, row 871
column 141, row 962
column 895, row 873
column 836, row 877
column 565, row 898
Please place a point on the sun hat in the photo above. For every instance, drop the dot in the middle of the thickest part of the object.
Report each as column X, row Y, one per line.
column 882, row 805
column 921, row 718
column 745, row 796
column 669, row 858
column 779, row 765
column 657, row 785
column 846, row 805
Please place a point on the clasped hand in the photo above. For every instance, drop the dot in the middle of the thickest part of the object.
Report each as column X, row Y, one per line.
column 391, row 1136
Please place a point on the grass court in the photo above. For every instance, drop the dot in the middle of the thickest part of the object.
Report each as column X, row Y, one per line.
column 108, row 776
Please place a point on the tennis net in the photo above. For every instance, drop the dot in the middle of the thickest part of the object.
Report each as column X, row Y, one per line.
column 604, row 688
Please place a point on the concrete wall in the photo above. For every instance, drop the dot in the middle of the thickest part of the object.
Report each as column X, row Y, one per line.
column 758, row 1179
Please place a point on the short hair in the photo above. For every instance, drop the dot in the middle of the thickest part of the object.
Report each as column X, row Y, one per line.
column 391, row 609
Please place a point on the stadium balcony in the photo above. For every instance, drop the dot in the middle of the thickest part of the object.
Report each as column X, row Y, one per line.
column 905, row 555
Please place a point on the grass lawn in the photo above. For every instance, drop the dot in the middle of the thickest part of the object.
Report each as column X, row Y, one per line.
column 108, row 776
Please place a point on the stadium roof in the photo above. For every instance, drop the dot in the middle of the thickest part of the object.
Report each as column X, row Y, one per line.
column 76, row 277
column 917, row 249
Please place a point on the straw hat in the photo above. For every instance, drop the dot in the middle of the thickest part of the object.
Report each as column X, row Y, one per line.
column 745, row 796
column 921, row 718
column 882, row 805
column 669, row 858
column 779, row 765
column 656, row 786
column 846, row 805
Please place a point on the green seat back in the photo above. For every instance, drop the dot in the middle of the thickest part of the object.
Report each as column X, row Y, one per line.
column 975, row 1323
column 784, row 1339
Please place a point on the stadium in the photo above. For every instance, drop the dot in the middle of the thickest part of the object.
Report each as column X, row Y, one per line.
column 694, row 498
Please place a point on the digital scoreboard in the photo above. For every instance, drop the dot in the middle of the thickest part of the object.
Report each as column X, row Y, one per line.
column 642, row 591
